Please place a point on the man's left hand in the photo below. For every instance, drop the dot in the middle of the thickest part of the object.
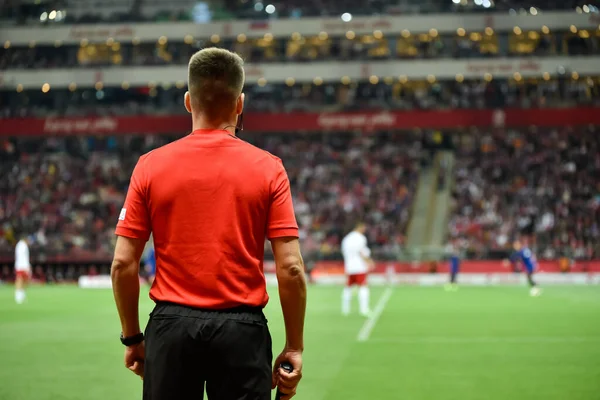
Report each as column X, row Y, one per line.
column 134, row 359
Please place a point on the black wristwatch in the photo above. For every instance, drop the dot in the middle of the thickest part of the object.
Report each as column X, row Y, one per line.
column 132, row 340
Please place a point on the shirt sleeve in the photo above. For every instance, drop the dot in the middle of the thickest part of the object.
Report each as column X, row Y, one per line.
column 281, row 220
column 365, row 251
column 134, row 219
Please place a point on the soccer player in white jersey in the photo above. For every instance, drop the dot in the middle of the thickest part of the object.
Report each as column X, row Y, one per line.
column 357, row 264
column 22, row 269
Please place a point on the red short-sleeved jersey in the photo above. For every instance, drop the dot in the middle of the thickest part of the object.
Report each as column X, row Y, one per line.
column 209, row 200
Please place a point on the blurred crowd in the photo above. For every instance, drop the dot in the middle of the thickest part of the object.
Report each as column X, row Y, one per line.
column 538, row 184
column 309, row 49
column 377, row 94
column 67, row 192
column 319, row 8
column 424, row 95
column 338, row 180
column 184, row 10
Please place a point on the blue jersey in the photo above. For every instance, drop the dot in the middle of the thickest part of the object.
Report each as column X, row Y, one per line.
column 150, row 262
column 454, row 264
column 527, row 258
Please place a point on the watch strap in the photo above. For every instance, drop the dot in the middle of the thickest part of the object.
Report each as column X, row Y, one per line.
column 132, row 340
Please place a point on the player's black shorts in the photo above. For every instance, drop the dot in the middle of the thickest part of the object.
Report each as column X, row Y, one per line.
column 228, row 352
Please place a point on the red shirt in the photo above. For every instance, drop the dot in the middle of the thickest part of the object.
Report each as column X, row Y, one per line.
column 209, row 200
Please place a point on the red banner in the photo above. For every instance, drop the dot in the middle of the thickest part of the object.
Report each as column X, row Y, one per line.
column 337, row 267
column 466, row 267
column 307, row 122
column 102, row 32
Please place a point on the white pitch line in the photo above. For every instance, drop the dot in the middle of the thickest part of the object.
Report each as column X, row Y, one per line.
column 488, row 340
column 366, row 329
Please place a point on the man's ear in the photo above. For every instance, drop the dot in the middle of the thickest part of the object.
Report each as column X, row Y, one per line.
column 240, row 104
column 188, row 102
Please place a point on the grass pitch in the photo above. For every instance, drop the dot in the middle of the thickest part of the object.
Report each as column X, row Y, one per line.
column 487, row 343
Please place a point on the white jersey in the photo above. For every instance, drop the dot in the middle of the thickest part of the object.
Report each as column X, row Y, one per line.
column 354, row 249
column 22, row 257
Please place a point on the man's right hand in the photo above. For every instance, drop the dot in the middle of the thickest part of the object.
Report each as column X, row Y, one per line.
column 371, row 265
column 286, row 382
column 134, row 359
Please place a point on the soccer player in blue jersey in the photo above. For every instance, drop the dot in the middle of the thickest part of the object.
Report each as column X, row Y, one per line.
column 454, row 269
column 150, row 265
column 529, row 262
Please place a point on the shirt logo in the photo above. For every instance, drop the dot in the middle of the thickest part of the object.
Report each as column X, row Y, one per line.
column 122, row 215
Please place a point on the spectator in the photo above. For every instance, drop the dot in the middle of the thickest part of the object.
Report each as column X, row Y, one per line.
column 534, row 183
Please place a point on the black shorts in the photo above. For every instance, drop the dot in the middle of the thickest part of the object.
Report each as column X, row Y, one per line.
column 229, row 351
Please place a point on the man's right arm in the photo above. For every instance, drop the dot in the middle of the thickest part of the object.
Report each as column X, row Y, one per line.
column 292, row 294
column 292, row 288
column 282, row 230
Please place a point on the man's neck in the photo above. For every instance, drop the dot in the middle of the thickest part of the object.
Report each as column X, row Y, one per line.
column 199, row 122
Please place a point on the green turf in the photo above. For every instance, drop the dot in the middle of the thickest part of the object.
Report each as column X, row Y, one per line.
column 478, row 343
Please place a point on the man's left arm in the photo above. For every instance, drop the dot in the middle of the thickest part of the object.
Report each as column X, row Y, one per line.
column 126, row 282
column 133, row 231
column 365, row 254
column 28, row 258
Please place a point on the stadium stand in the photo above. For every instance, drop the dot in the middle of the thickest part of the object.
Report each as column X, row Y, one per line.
column 361, row 108
column 278, row 98
column 317, row 48
column 536, row 183
column 67, row 190
column 118, row 11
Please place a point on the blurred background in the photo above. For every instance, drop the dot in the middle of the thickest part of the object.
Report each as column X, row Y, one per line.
column 447, row 125
column 463, row 122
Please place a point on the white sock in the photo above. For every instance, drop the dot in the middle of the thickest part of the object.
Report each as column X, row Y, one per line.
column 363, row 299
column 346, row 299
column 19, row 296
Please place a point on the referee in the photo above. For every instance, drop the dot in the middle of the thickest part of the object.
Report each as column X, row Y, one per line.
column 210, row 199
